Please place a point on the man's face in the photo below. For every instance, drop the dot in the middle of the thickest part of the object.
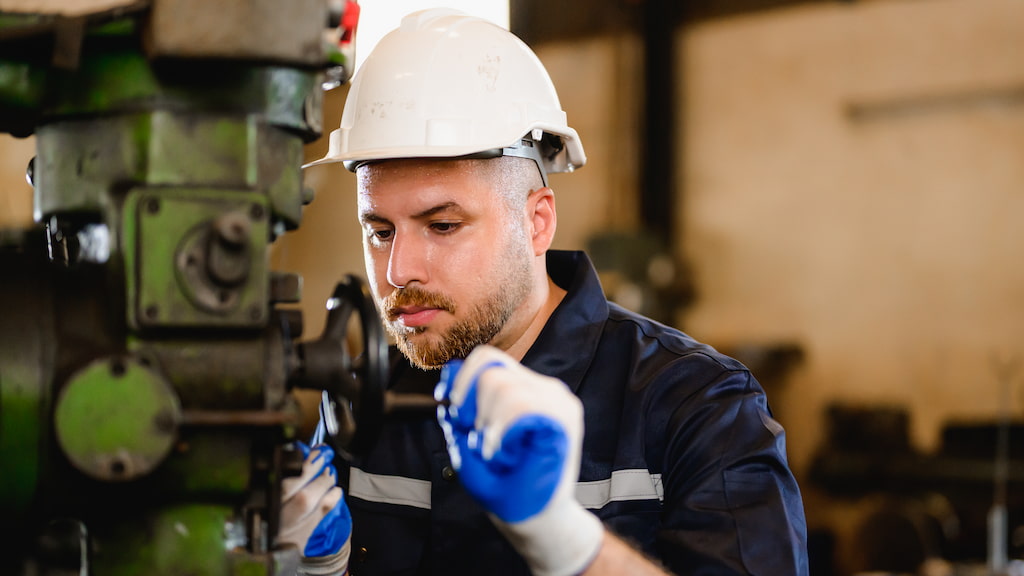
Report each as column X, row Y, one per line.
column 448, row 263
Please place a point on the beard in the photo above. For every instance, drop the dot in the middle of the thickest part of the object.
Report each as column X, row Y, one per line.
column 483, row 322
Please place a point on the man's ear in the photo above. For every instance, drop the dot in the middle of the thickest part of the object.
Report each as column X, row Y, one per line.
column 543, row 219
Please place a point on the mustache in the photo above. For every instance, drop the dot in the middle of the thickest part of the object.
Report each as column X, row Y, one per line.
column 415, row 296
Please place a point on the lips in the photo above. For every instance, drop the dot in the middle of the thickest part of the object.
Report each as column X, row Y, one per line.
column 413, row 307
column 414, row 316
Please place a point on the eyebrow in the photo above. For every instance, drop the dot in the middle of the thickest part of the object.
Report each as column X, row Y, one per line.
column 433, row 210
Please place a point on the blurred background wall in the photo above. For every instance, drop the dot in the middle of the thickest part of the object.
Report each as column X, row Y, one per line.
column 853, row 183
column 847, row 210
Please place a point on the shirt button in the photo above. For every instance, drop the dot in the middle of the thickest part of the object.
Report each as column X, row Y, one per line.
column 361, row 555
column 448, row 473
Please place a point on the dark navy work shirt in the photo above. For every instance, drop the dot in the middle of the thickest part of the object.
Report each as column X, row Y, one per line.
column 681, row 456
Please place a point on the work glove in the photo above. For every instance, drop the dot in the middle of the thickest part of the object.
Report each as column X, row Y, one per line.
column 515, row 438
column 314, row 516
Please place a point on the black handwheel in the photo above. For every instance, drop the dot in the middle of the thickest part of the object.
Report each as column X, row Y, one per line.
column 352, row 409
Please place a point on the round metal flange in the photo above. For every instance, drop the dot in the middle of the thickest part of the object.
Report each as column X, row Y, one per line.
column 213, row 263
column 117, row 419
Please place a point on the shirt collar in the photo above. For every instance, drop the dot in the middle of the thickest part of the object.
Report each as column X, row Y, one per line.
column 567, row 344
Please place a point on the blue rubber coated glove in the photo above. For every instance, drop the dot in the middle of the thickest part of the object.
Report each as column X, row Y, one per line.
column 515, row 437
column 314, row 516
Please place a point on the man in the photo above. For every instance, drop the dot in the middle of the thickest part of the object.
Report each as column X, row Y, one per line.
column 579, row 437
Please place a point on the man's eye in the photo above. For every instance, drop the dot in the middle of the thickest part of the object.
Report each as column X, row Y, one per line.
column 444, row 227
column 381, row 235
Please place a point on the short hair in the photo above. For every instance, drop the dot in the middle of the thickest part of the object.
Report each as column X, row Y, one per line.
column 514, row 178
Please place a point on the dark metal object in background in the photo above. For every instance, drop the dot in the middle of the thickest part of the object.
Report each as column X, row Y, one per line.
column 658, row 166
column 867, row 456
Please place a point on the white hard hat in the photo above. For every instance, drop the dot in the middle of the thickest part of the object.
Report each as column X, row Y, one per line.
column 444, row 85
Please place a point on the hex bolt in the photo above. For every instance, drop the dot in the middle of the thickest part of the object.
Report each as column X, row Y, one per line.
column 152, row 311
column 118, row 467
column 256, row 212
column 152, row 205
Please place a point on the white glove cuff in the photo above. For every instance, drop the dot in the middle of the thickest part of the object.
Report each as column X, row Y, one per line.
column 562, row 540
column 333, row 565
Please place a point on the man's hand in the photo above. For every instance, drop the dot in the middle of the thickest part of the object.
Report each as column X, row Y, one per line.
column 314, row 516
column 515, row 438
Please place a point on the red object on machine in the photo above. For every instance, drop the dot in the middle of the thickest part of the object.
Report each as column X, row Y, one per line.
column 349, row 21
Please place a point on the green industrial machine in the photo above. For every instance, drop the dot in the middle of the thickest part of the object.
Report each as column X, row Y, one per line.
column 147, row 366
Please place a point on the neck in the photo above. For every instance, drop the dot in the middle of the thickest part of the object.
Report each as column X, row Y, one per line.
column 538, row 307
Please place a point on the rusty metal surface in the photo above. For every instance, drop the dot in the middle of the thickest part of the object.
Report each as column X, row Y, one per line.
column 213, row 374
column 269, row 30
column 238, row 418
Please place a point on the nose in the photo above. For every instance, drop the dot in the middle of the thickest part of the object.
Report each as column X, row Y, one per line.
column 407, row 262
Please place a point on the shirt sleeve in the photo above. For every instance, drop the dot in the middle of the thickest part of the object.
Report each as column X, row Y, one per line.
column 731, row 504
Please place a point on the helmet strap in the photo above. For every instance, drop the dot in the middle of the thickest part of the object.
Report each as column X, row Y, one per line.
column 525, row 147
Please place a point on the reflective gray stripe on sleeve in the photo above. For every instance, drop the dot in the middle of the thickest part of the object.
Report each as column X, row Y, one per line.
column 389, row 489
column 623, row 485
